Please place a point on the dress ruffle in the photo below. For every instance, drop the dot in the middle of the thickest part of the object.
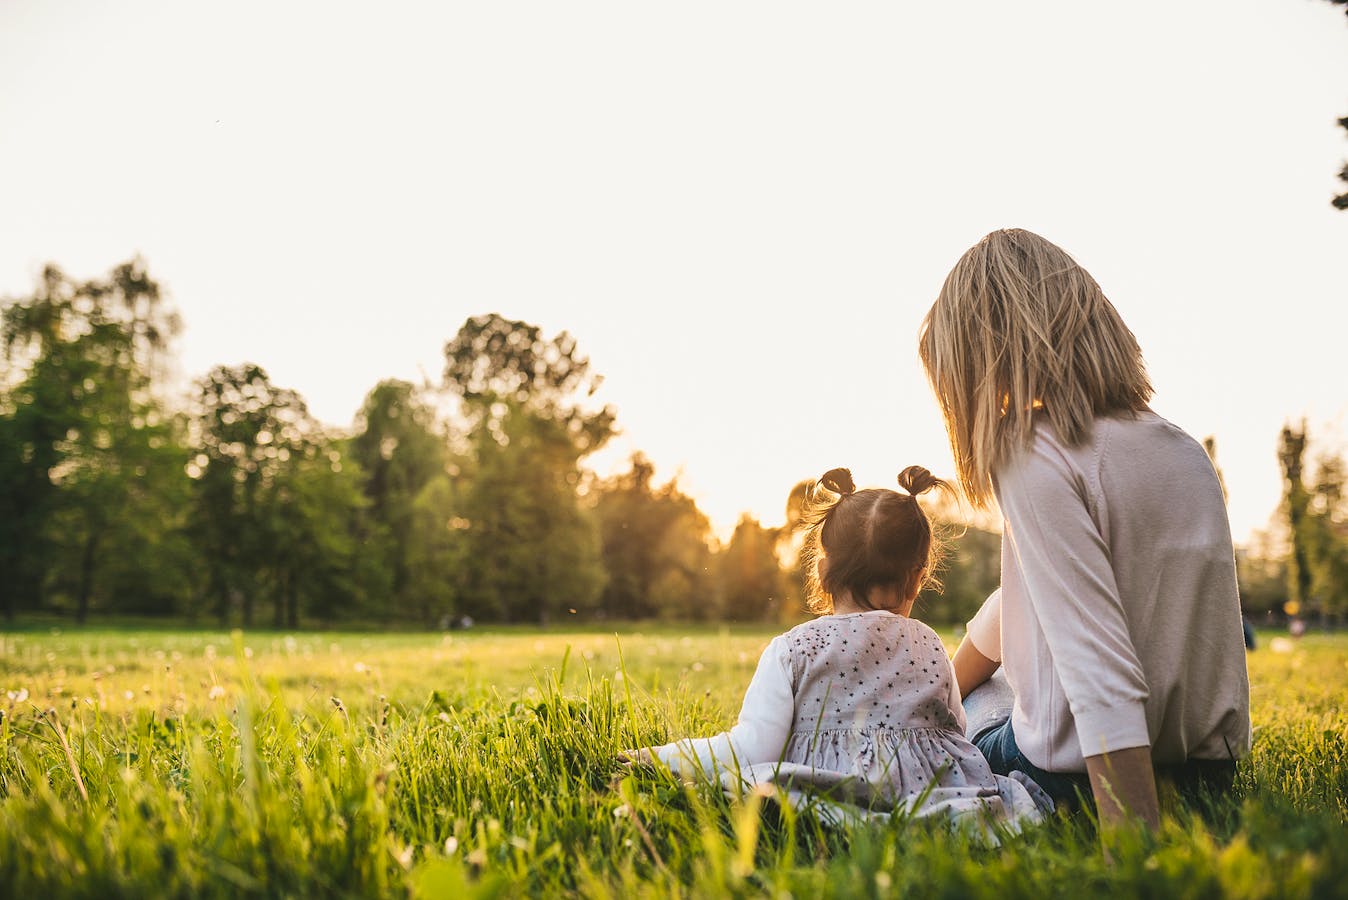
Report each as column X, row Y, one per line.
column 859, row 774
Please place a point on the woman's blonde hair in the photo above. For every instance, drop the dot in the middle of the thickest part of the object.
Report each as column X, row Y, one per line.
column 1019, row 327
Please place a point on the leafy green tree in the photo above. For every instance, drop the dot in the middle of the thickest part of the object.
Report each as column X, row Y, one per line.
column 1261, row 570
column 530, row 550
column 1317, row 525
column 1327, row 537
column 90, row 460
column 404, row 456
column 753, row 584
column 1291, row 449
column 434, row 553
column 655, row 546
column 318, row 511
column 248, row 431
column 969, row 571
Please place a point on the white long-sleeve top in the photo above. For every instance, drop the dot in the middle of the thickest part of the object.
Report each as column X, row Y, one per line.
column 1118, row 619
column 865, row 704
column 764, row 724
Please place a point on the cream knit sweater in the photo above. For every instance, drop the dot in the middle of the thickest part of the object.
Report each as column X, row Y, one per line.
column 1118, row 619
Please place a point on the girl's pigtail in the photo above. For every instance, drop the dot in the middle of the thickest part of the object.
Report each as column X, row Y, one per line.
column 917, row 480
column 839, row 481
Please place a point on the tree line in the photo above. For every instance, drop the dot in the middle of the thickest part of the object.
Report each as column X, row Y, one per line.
column 464, row 499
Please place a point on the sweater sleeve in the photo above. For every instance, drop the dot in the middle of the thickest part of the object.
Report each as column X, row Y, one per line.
column 761, row 733
column 985, row 628
column 1069, row 579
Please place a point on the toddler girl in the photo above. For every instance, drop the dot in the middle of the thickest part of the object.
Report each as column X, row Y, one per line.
column 858, row 709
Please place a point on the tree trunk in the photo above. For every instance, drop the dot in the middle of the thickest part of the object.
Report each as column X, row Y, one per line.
column 279, row 604
column 292, row 604
column 1290, row 450
column 87, row 561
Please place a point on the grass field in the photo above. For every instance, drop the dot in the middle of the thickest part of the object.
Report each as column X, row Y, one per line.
column 197, row 764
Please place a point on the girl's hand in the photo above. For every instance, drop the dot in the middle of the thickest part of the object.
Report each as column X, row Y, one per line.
column 639, row 757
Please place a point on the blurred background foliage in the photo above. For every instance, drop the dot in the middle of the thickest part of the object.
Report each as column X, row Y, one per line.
column 445, row 503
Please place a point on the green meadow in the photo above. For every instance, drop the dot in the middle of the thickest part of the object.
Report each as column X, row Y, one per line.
column 200, row 764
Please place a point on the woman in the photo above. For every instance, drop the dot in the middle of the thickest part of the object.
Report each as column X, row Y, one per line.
column 1117, row 625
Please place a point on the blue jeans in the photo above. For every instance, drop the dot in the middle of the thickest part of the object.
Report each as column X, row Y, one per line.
column 998, row 744
column 988, row 709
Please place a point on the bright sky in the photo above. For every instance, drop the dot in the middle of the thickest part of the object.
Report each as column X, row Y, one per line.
column 741, row 209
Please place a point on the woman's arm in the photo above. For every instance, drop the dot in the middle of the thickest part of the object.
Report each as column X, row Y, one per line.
column 972, row 668
column 1069, row 579
column 761, row 733
column 1124, row 782
column 979, row 655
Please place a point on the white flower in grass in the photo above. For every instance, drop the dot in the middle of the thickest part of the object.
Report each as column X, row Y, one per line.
column 216, row 692
column 361, row 667
column 443, row 717
column 622, row 811
column 17, row 696
column 451, row 845
column 129, row 695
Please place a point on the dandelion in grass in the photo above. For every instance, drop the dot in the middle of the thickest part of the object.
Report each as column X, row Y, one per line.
column 18, row 696
column 451, row 842
column 216, row 692
column 622, row 812
column 129, row 695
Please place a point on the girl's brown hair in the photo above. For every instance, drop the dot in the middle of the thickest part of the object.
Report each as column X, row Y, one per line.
column 874, row 538
column 1019, row 327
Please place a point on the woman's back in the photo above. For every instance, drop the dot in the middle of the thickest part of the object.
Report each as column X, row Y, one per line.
column 1127, row 532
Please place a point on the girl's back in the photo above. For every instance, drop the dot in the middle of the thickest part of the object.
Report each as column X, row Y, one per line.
column 858, row 711
column 867, row 672
column 875, row 699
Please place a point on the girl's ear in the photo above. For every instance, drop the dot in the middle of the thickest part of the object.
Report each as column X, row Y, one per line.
column 821, row 567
